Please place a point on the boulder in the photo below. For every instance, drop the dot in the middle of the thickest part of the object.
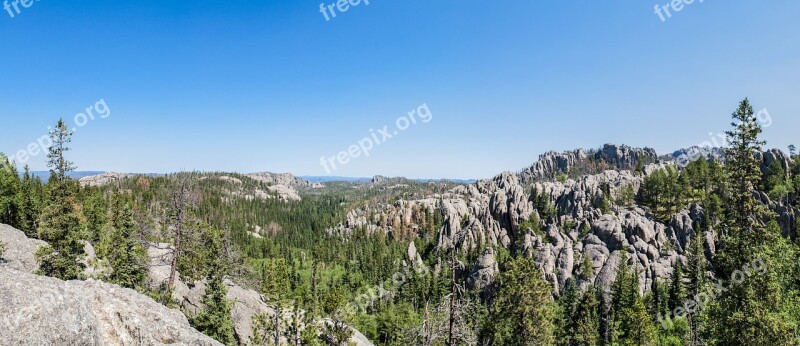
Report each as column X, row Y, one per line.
column 39, row 310
column 20, row 250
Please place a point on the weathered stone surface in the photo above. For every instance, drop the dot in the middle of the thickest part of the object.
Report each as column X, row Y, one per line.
column 614, row 156
column 19, row 250
column 285, row 179
column 484, row 274
column 38, row 310
column 103, row 179
column 489, row 212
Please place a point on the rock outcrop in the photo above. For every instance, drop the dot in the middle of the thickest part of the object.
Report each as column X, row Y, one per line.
column 490, row 213
column 285, row 179
column 19, row 250
column 683, row 157
column 246, row 302
column 283, row 185
column 484, row 274
column 772, row 156
column 610, row 156
column 38, row 310
column 103, row 179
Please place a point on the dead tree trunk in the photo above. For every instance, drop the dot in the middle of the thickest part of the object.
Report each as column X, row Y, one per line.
column 179, row 205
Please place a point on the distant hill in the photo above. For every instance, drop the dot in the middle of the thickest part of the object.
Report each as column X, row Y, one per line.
column 45, row 175
column 325, row 179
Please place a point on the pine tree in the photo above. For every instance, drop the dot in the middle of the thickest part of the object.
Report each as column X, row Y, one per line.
column 60, row 225
column 743, row 167
column 579, row 322
column 336, row 332
column 267, row 328
column 294, row 329
column 631, row 323
column 586, row 269
column 95, row 214
column 126, row 256
column 569, row 305
column 215, row 319
column 586, row 320
column 697, row 280
column 275, row 281
column 677, row 291
column 29, row 202
column 524, row 310
column 756, row 311
column 9, row 188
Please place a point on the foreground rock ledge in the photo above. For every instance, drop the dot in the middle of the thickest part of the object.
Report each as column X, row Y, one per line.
column 38, row 310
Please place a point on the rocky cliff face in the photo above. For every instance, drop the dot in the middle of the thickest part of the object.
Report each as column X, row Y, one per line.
column 579, row 162
column 489, row 214
column 38, row 310
column 285, row 179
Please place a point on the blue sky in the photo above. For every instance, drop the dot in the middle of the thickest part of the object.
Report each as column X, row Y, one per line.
column 272, row 86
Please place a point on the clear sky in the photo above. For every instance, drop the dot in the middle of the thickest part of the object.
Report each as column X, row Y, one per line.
column 272, row 86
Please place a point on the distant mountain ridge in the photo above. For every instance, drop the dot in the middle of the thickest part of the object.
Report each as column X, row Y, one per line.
column 548, row 166
column 45, row 175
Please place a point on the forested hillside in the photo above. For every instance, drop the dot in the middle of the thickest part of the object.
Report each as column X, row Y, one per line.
column 611, row 246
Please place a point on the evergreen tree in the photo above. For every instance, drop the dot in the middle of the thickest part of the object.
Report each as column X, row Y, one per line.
column 29, row 202
column 60, row 225
column 586, row 320
column 677, row 291
column 659, row 299
column 743, row 168
column 275, row 281
column 569, row 304
column 336, row 332
column 95, row 214
column 267, row 328
column 697, row 280
column 631, row 323
column 215, row 319
column 9, row 188
column 755, row 310
column 675, row 333
column 524, row 310
column 394, row 323
column 126, row 256
column 579, row 322
column 586, row 269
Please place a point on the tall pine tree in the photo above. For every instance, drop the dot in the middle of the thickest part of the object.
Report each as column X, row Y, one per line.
column 215, row 319
column 631, row 323
column 60, row 225
column 126, row 256
column 524, row 310
column 755, row 309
